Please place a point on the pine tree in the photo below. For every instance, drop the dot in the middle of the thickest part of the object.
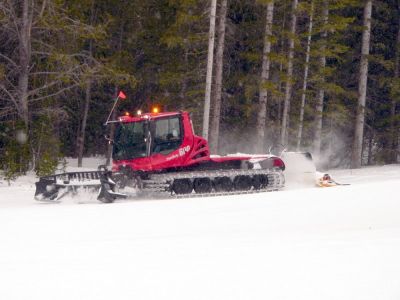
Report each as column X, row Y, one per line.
column 289, row 75
column 321, row 90
column 265, row 70
column 393, row 112
column 219, row 68
column 210, row 63
column 180, row 60
column 305, row 76
column 356, row 159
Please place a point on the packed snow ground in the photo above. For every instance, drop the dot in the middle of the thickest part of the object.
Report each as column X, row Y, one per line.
column 300, row 243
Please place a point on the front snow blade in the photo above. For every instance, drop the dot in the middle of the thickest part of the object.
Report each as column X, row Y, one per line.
column 48, row 187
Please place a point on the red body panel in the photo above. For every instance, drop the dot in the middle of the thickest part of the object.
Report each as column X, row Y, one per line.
column 193, row 149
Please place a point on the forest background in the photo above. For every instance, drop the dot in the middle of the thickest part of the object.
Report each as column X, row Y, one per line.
column 314, row 75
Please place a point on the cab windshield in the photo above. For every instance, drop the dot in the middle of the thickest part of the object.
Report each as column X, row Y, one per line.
column 130, row 141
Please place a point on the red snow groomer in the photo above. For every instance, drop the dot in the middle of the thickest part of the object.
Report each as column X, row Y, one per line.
column 158, row 154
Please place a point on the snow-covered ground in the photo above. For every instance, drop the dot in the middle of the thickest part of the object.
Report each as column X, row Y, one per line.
column 300, row 243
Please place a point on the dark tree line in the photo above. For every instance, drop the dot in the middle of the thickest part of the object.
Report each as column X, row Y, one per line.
column 315, row 75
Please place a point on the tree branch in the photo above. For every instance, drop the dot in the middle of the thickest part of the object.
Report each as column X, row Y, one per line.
column 42, row 9
column 54, row 82
column 14, row 20
column 54, row 94
column 6, row 111
column 9, row 60
column 10, row 95
column 46, row 86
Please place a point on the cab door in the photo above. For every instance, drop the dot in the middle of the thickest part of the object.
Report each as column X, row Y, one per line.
column 167, row 138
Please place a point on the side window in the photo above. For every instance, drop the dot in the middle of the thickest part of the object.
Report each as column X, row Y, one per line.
column 168, row 136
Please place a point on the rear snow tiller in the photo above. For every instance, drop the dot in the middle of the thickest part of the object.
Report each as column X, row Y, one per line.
column 158, row 154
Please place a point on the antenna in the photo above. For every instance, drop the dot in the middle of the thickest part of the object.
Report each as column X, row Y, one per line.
column 121, row 96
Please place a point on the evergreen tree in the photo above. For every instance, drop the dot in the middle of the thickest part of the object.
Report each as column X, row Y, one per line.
column 219, row 68
column 356, row 159
column 265, row 70
column 289, row 75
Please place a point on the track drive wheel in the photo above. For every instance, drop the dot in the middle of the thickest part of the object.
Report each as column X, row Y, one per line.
column 223, row 184
column 182, row 186
column 202, row 185
column 242, row 183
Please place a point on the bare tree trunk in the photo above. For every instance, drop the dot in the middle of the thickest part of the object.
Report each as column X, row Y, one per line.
column 280, row 86
column 112, row 132
column 305, row 79
column 112, row 135
column 331, row 142
column 263, row 98
column 78, row 133
column 182, row 93
column 321, row 90
column 114, row 114
column 210, row 61
column 356, row 156
column 81, row 139
column 219, row 68
column 88, row 96
column 370, row 145
column 24, row 59
column 393, row 123
column 289, row 74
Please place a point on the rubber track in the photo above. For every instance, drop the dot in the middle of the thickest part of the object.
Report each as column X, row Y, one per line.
column 159, row 184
